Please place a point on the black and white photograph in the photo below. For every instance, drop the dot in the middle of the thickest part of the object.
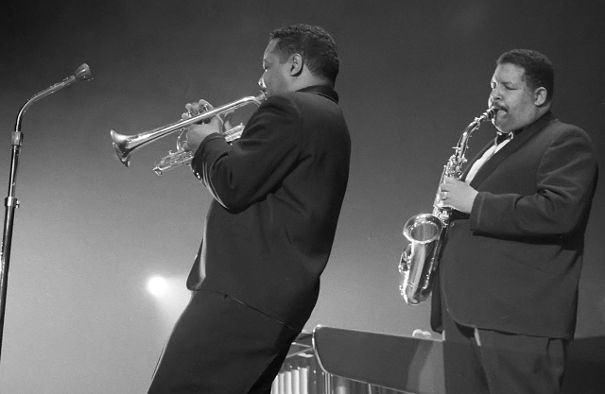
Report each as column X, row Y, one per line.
column 302, row 197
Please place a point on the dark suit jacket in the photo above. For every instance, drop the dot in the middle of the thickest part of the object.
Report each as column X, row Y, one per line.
column 514, row 263
column 277, row 197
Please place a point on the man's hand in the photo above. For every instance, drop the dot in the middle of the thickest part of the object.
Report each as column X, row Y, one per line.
column 456, row 194
column 196, row 133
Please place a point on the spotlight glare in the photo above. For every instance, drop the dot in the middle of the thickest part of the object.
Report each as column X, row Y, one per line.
column 157, row 286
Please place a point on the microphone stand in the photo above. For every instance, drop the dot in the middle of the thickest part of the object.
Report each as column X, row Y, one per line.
column 11, row 202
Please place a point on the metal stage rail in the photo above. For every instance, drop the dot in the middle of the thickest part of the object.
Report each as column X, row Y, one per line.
column 338, row 361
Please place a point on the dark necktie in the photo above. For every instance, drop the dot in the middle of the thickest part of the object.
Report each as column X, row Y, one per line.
column 501, row 137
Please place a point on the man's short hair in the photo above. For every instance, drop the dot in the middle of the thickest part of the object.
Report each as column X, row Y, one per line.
column 538, row 68
column 314, row 44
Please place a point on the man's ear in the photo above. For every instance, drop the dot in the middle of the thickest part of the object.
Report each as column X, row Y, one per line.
column 296, row 64
column 540, row 95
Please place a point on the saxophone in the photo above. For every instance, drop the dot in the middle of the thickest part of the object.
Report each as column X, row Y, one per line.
column 425, row 231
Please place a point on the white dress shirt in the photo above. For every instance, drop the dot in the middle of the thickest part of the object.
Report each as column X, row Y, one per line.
column 499, row 142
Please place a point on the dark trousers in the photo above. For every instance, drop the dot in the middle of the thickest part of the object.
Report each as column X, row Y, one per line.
column 485, row 361
column 220, row 345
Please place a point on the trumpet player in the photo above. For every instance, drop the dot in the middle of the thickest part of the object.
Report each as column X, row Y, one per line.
column 277, row 193
column 508, row 277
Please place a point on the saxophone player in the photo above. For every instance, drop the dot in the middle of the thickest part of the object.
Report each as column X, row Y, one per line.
column 508, row 277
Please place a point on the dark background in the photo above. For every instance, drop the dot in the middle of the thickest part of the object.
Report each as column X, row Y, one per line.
column 89, row 232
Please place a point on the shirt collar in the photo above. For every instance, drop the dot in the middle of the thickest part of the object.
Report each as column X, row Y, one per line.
column 502, row 136
column 323, row 90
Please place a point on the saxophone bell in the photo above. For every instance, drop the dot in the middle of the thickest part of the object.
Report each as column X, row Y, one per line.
column 422, row 231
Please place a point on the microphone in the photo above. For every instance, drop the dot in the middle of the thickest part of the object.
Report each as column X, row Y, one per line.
column 11, row 202
column 82, row 73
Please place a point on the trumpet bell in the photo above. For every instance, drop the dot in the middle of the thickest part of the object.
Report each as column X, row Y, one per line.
column 120, row 147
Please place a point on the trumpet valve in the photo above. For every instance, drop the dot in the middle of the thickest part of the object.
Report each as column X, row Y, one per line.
column 234, row 133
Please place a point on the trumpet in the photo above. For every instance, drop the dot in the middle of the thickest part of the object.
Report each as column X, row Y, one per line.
column 125, row 145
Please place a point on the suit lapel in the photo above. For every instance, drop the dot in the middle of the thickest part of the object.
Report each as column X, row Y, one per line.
column 519, row 140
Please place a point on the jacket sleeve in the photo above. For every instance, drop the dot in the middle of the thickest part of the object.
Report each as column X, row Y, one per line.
column 246, row 171
column 565, row 182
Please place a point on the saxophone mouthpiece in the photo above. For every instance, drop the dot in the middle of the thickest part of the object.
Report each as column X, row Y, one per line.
column 491, row 112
